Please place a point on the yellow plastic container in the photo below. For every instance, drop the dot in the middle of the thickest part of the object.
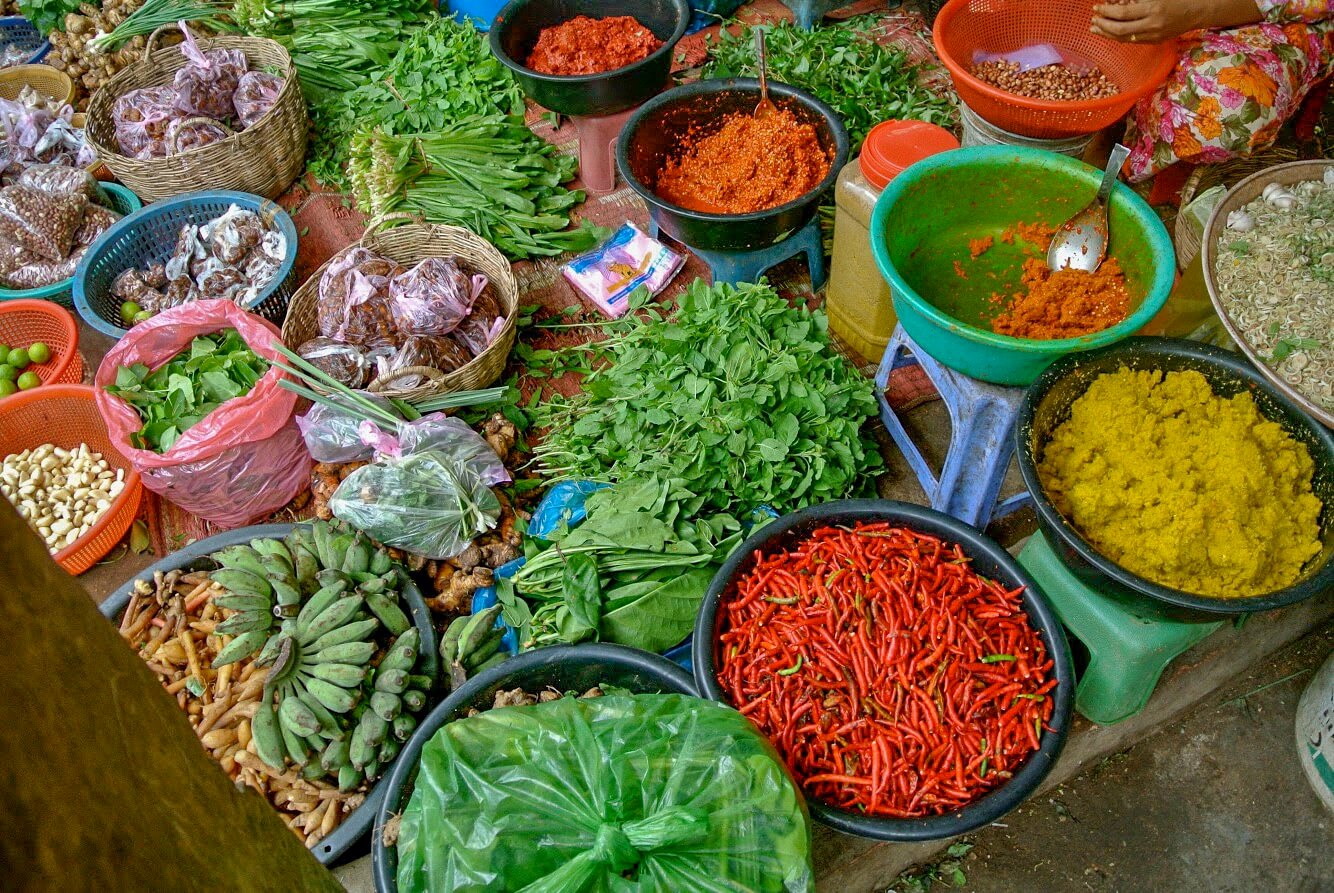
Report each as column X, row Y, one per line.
column 858, row 301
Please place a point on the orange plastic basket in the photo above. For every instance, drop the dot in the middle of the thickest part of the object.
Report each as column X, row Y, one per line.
column 66, row 415
column 1001, row 26
column 25, row 322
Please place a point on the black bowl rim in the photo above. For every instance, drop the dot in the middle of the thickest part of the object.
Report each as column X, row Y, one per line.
column 410, row 755
column 329, row 850
column 1223, row 360
column 712, row 86
column 513, row 6
column 997, row 802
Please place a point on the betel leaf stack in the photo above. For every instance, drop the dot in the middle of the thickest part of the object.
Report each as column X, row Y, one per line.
column 324, row 610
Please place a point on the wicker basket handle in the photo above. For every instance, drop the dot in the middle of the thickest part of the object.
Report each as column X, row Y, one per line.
column 385, row 382
column 378, row 223
column 171, row 144
column 151, row 44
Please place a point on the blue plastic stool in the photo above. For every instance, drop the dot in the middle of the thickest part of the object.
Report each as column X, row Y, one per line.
column 1127, row 653
column 808, row 13
column 749, row 266
column 982, row 419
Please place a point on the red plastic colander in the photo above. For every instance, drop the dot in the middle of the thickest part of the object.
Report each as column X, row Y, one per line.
column 25, row 322
column 66, row 415
column 1001, row 26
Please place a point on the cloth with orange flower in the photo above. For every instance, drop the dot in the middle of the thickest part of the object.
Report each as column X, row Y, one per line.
column 1232, row 88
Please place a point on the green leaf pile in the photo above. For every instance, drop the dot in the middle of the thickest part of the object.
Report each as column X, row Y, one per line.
column 737, row 399
column 843, row 65
column 172, row 399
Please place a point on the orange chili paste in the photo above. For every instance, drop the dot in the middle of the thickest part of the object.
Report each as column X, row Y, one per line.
column 1064, row 304
column 749, row 164
column 585, row 45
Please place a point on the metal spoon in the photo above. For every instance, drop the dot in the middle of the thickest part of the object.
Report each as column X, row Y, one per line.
column 766, row 106
column 1081, row 242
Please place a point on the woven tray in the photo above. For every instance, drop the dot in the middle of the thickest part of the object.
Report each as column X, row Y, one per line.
column 263, row 159
column 1207, row 176
column 409, row 244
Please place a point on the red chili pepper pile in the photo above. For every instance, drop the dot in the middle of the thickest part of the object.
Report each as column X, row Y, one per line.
column 893, row 679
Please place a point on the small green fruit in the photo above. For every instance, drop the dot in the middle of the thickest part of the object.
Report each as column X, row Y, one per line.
column 29, row 380
column 7, row 387
column 18, row 358
column 128, row 310
column 141, row 316
column 38, row 352
column 8, row 372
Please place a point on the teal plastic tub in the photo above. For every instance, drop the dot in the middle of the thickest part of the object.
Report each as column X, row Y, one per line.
column 119, row 199
column 920, row 233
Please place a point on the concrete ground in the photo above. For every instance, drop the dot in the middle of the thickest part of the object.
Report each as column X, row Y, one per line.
column 1216, row 802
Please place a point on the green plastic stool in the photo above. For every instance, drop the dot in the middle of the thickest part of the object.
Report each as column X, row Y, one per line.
column 1127, row 653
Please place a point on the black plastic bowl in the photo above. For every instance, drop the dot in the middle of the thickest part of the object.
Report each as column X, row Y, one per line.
column 562, row 667
column 194, row 557
column 989, row 560
column 654, row 133
column 1047, row 405
column 517, row 26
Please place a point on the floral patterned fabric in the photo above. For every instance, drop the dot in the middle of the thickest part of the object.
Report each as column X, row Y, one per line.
column 1232, row 90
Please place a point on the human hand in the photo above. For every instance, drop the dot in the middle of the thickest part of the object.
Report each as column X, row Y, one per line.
column 1154, row 21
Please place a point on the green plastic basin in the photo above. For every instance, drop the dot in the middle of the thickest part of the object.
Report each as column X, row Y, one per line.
column 926, row 216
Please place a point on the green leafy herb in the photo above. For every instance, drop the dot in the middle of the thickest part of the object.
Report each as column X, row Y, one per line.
column 174, row 398
column 155, row 14
column 844, row 65
column 489, row 174
column 431, row 78
column 737, row 399
column 47, row 15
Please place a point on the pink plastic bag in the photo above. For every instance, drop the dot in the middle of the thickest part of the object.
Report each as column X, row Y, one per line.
column 255, row 94
column 141, row 118
column 246, row 459
column 204, row 86
column 434, row 296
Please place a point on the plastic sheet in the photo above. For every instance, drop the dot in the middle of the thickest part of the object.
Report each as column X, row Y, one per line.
column 429, row 492
column 256, row 93
column 354, row 299
column 245, row 459
column 586, row 794
column 141, row 118
column 205, row 85
column 41, row 222
column 433, row 297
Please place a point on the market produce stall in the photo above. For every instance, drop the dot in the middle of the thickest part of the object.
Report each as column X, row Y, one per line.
column 456, row 530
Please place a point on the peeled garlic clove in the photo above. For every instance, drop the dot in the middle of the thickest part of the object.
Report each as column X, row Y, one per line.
column 1241, row 221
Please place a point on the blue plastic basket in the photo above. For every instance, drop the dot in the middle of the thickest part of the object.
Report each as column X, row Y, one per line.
column 117, row 198
column 20, row 31
column 149, row 236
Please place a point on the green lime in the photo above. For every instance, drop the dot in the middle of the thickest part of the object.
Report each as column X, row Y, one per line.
column 128, row 310
column 7, row 387
column 18, row 358
column 142, row 315
column 4, row 350
column 29, row 380
column 38, row 352
column 8, row 372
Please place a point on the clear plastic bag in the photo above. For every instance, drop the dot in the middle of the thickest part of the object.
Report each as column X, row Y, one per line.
column 232, row 235
column 429, row 493
column 41, row 272
column 41, row 222
column 141, row 118
column 130, row 285
column 185, row 134
column 255, row 94
column 245, row 459
column 96, row 220
column 441, row 352
column 434, row 296
column 60, row 180
column 204, row 86
column 482, row 325
column 345, row 363
column 354, row 299
column 677, row 792
column 333, row 433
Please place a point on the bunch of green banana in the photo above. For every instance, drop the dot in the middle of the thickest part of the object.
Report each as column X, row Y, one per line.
column 471, row 644
column 326, row 594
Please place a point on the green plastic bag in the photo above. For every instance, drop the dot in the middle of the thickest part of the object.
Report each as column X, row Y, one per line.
column 617, row 794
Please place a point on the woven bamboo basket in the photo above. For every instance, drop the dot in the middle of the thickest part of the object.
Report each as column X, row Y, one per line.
column 409, row 244
column 1207, row 176
column 42, row 78
column 263, row 159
